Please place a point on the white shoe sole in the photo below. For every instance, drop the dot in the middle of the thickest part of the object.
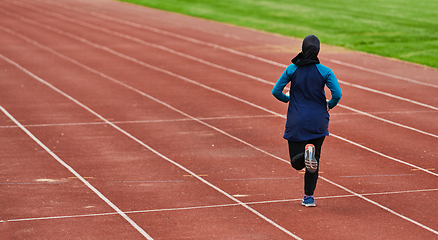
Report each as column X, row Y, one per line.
column 309, row 159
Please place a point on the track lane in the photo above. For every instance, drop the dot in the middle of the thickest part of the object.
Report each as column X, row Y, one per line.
column 61, row 17
column 140, row 40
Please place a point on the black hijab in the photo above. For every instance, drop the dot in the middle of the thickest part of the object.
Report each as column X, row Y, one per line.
column 309, row 53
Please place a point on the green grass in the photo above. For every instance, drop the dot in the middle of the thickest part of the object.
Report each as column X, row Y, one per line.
column 403, row 29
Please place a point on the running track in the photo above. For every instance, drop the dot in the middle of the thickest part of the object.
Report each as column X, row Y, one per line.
column 123, row 122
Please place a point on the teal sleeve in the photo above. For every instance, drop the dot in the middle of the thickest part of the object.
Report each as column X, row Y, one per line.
column 284, row 79
column 332, row 83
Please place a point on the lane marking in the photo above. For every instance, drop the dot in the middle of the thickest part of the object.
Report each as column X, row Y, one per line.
column 158, row 181
column 187, row 119
column 429, row 169
column 217, row 206
column 390, row 122
column 383, row 155
column 139, row 121
column 386, row 175
column 144, row 145
column 113, row 206
column 257, row 179
column 386, row 112
column 240, row 195
column 388, row 95
column 383, row 207
column 31, row 183
column 381, row 73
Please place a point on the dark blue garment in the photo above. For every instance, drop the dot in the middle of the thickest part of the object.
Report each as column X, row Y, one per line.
column 307, row 115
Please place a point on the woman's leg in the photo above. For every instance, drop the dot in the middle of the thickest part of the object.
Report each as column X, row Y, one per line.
column 296, row 153
column 310, row 179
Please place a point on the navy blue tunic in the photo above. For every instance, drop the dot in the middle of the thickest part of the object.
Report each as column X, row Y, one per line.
column 307, row 115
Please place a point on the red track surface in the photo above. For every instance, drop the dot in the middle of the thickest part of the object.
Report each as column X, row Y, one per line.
column 123, row 122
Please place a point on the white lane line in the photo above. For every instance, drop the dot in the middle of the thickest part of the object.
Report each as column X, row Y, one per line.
column 261, row 150
column 106, row 200
column 389, row 95
column 258, row 179
column 383, row 207
column 385, row 113
column 215, row 206
column 201, row 118
column 216, row 46
column 383, row 155
column 389, row 121
column 381, row 175
column 380, row 73
column 152, row 150
column 139, row 121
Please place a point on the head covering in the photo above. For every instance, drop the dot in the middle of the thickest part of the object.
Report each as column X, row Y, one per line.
column 309, row 53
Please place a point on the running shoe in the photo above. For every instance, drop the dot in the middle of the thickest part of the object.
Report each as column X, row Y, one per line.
column 309, row 158
column 308, row 201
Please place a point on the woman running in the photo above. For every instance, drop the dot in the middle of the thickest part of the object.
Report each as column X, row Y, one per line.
column 307, row 115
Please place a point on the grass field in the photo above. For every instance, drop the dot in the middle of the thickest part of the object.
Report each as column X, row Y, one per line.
column 403, row 29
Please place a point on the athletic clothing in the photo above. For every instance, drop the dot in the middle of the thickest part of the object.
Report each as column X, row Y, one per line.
column 296, row 153
column 307, row 115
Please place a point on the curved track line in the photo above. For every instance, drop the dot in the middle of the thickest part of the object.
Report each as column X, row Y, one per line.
column 179, row 36
column 105, row 30
column 225, row 133
column 150, row 149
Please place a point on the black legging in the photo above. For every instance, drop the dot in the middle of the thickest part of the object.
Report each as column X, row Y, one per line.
column 296, row 153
